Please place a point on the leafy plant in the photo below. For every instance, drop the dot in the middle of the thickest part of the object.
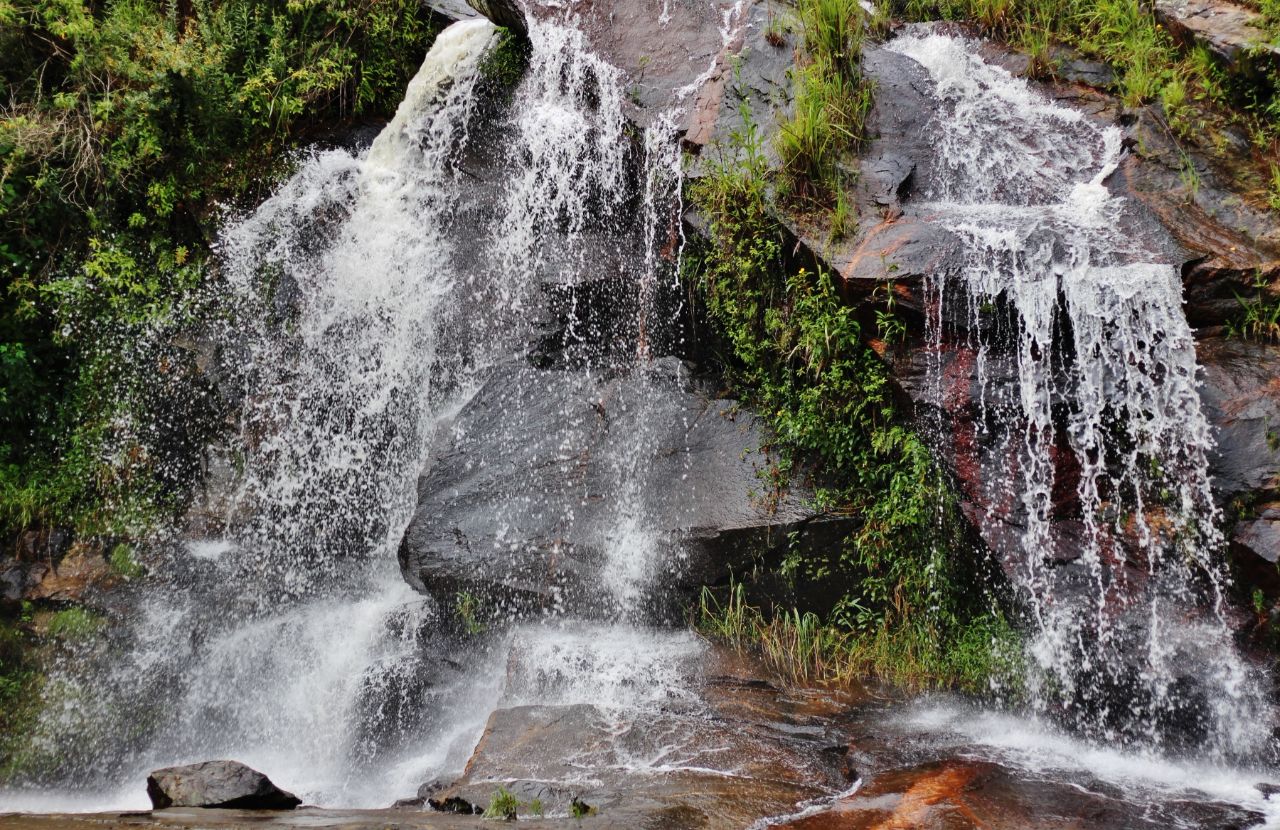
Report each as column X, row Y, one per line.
column 1259, row 315
column 580, row 809
column 126, row 123
column 467, row 606
column 502, row 806
column 124, row 564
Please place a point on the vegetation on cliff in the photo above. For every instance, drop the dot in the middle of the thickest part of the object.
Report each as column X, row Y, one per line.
column 798, row 352
column 912, row 612
column 126, row 124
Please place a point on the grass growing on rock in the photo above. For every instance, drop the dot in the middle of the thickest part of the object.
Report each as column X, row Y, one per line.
column 832, row 99
column 804, row 650
column 790, row 345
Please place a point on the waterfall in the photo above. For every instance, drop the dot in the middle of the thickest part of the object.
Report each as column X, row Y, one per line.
column 362, row 305
column 287, row 638
column 1104, row 362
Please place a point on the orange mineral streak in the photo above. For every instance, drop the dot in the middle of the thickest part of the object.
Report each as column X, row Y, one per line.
column 918, row 802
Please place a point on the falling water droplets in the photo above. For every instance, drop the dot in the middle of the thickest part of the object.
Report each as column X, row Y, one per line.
column 1106, row 375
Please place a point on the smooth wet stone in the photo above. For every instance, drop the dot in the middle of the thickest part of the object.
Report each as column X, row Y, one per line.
column 980, row 795
column 219, row 784
column 740, row 748
column 537, row 512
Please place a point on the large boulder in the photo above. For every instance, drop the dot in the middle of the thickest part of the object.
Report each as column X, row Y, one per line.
column 566, row 489
column 224, row 784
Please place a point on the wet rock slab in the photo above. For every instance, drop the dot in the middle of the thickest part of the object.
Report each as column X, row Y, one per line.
column 740, row 749
column 977, row 795
column 551, row 484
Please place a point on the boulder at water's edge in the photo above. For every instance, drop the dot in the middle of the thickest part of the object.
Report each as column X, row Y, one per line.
column 227, row 784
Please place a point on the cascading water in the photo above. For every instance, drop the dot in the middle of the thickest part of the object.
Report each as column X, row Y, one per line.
column 373, row 295
column 1103, row 361
column 361, row 316
column 282, row 640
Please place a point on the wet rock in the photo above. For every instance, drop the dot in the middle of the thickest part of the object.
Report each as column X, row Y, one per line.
column 83, row 569
column 506, row 13
column 525, row 513
column 748, row 91
column 1256, row 545
column 964, row 795
column 889, row 248
column 222, row 784
column 732, row 749
column 452, row 9
column 454, row 804
column 1241, row 395
column 662, row 48
column 1235, row 34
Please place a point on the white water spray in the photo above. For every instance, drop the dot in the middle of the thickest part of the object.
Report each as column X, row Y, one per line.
column 1103, row 354
column 283, row 642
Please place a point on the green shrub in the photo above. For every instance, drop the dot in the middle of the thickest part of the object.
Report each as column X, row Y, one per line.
column 502, row 806
column 797, row 352
column 126, row 122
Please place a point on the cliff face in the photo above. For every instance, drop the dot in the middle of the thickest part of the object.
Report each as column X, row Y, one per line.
column 713, row 72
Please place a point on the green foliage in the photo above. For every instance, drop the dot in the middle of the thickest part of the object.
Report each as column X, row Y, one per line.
column 831, row 103
column 467, row 606
column 506, row 62
column 1259, row 315
column 797, row 350
column 502, row 806
column 126, row 122
column 1270, row 10
column 124, row 564
column 74, row 624
column 580, row 809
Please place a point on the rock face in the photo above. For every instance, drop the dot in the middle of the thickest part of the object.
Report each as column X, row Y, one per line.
column 224, row 784
column 1235, row 34
column 1226, row 245
column 547, row 509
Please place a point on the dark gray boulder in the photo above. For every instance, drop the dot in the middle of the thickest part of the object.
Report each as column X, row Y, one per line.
column 225, row 784
column 547, row 476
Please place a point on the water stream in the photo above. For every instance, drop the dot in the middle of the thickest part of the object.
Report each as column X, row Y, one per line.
column 1104, row 369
